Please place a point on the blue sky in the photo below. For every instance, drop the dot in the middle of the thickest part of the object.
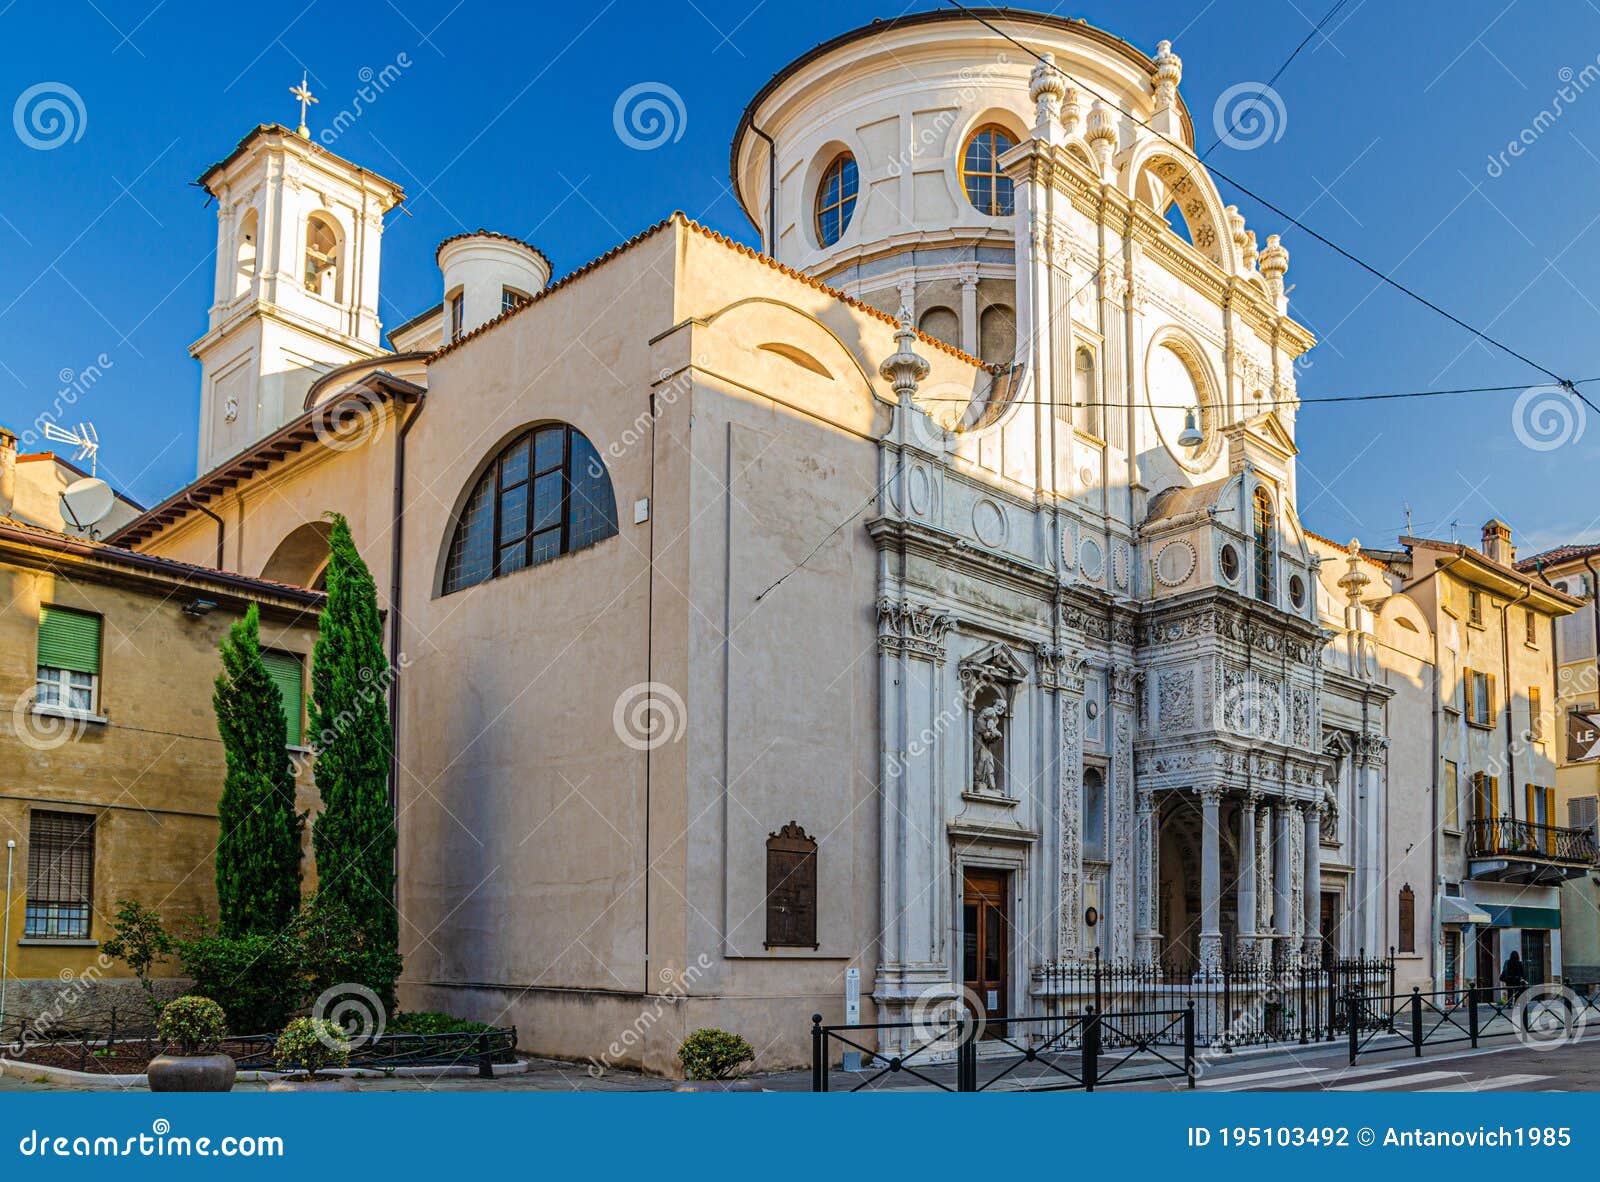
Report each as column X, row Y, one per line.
column 503, row 119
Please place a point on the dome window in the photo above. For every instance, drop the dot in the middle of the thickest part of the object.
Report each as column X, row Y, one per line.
column 986, row 186
column 836, row 198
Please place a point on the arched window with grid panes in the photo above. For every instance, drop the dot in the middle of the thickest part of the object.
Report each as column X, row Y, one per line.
column 545, row 494
column 985, row 183
column 1263, row 545
column 836, row 198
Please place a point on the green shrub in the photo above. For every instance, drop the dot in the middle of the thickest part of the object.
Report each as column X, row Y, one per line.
column 710, row 1053
column 310, row 1045
column 433, row 1022
column 254, row 978
column 138, row 941
column 333, row 949
column 197, row 1025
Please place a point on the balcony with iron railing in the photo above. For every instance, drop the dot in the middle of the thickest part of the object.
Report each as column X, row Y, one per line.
column 1504, row 849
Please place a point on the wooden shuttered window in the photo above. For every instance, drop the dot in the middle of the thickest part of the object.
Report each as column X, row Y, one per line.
column 60, row 875
column 1535, row 714
column 1408, row 919
column 69, row 639
column 287, row 671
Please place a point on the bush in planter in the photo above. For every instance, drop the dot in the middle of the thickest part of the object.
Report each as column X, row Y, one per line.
column 712, row 1054
column 310, row 1045
column 433, row 1022
column 196, row 1026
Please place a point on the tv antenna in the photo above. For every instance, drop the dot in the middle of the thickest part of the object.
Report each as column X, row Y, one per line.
column 83, row 439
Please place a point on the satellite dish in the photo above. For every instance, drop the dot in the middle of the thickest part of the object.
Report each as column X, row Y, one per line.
column 87, row 501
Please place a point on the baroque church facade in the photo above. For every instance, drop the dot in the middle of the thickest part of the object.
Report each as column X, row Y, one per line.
column 923, row 595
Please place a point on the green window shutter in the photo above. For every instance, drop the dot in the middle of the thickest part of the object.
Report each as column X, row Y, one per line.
column 69, row 639
column 287, row 671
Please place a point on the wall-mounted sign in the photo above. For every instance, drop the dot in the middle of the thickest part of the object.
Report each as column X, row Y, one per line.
column 1583, row 737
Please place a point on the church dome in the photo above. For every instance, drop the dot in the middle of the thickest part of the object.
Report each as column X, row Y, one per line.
column 886, row 137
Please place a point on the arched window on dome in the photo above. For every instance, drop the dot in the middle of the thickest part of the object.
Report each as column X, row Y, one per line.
column 546, row 493
column 986, row 186
column 324, row 270
column 1263, row 545
column 836, row 198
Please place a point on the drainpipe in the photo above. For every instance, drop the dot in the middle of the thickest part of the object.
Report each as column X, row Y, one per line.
column 772, row 191
column 222, row 531
column 5, row 948
column 1594, row 608
column 1505, row 662
column 397, row 527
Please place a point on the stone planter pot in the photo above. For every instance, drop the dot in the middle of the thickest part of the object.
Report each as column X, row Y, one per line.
column 715, row 1085
column 326, row 1083
column 191, row 1073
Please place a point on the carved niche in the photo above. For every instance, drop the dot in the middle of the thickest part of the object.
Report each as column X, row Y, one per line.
column 989, row 679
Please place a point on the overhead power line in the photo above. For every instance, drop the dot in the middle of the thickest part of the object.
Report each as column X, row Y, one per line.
column 1270, row 402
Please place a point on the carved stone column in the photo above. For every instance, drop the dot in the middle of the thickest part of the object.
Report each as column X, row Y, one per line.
column 1211, row 882
column 1247, row 876
column 1284, row 855
column 1311, row 824
column 1263, row 871
column 1125, row 681
column 913, row 861
column 1147, row 878
column 1295, row 928
column 1062, row 671
column 969, row 312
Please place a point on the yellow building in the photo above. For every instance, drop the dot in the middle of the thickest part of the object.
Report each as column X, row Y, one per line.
column 107, row 735
column 1575, row 719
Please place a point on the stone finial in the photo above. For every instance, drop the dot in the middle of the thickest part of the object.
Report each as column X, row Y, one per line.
column 1236, row 226
column 1071, row 112
column 904, row 368
column 1169, row 72
column 1046, row 87
column 1355, row 579
column 1274, row 266
column 1102, row 135
column 1251, row 254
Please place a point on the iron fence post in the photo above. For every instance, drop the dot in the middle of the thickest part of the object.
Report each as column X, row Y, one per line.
column 967, row 1055
column 1188, row 1044
column 819, row 1050
column 1472, row 1013
column 1091, row 1049
column 1352, row 1018
column 1416, row 1020
column 1333, row 1000
column 485, row 1058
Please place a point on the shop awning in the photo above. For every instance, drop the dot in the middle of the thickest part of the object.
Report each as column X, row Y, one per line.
column 1454, row 909
column 1522, row 917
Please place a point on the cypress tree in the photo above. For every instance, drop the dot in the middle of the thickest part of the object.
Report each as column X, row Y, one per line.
column 258, row 846
column 354, row 835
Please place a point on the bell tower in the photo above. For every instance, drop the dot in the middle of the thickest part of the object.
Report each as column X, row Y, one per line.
column 299, row 231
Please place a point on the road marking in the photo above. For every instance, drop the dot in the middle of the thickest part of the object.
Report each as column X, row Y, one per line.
column 1493, row 1083
column 1316, row 1073
column 1400, row 1081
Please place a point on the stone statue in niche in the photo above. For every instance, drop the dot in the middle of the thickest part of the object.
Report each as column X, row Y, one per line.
column 988, row 734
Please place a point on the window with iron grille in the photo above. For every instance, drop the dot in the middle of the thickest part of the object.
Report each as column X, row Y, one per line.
column 60, row 875
column 1263, row 547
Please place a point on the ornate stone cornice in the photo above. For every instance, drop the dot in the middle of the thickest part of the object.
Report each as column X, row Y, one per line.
column 1060, row 668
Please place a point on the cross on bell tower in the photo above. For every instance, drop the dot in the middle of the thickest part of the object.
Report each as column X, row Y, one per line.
column 303, row 93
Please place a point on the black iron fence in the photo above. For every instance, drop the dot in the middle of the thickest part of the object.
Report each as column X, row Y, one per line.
column 1543, row 1015
column 1242, row 1002
column 1039, row 1054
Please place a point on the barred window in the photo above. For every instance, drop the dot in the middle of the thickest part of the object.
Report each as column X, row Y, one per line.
column 546, row 494
column 60, row 875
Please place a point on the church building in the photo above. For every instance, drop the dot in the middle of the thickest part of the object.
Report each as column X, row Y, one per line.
column 923, row 594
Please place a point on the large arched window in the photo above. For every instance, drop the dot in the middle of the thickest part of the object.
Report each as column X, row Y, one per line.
column 1085, row 393
column 246, row 252
column 987, row 187
column 546, row 494
column 836, row 198
column 1263, row 546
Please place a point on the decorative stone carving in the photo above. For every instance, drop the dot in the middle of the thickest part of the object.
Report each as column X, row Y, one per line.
column 1175, row 695
column 1059, row 668
column 1175, row 563
column 1071, row 871
column 913, row 628
column 1169, row 72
